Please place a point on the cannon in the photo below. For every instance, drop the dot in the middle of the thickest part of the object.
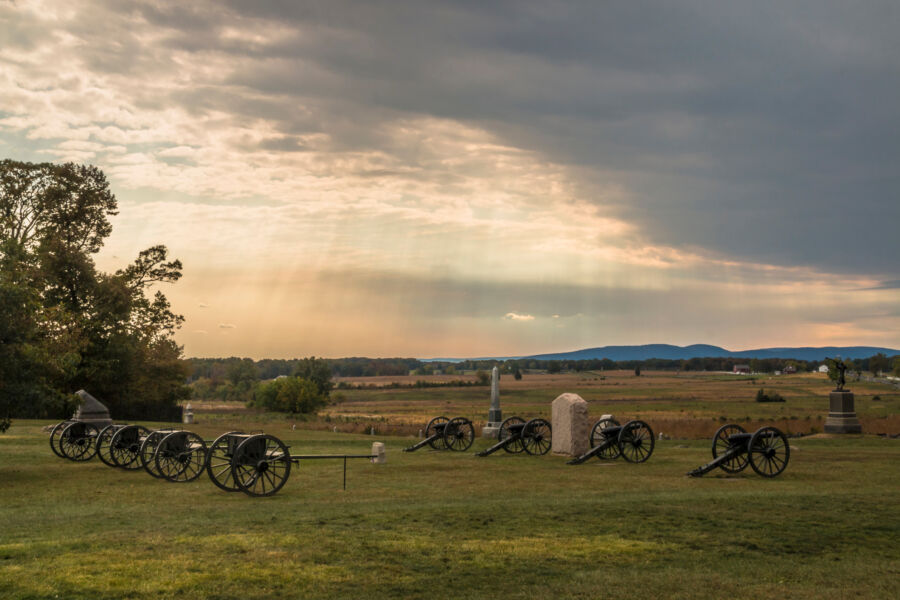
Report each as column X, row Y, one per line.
column 633, row 441
column 169, row 454
column 125, row 446
column 516, row 436
column 103, row 443
column 441, row 433
column 766, row 450
column 180, row 456
column 258, row 464
column 75, row 440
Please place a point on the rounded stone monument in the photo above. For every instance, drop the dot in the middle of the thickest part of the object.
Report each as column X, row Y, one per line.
column 571, row 427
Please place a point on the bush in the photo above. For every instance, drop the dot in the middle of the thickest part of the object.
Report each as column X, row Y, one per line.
column 289, row 394
column 763, row 396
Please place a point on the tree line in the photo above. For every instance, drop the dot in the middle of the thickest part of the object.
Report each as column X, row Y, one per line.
column 234, row 378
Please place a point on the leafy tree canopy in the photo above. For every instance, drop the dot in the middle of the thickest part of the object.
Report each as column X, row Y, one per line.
column 64, row 325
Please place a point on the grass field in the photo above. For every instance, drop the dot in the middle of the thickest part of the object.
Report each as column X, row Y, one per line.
column 682, row 405
column 441, row 525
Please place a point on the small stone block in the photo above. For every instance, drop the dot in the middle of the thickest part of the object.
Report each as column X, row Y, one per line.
column 379, row 453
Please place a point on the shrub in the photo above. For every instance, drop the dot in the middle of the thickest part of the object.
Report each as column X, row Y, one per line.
column 289, row 394
column 771, row 396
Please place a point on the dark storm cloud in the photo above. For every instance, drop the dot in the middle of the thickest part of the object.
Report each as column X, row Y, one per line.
column 763, row 131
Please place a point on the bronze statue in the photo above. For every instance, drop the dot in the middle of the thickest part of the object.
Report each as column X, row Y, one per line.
column 836, row 364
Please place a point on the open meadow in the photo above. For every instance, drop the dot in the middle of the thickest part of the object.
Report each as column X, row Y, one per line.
column 439, row 524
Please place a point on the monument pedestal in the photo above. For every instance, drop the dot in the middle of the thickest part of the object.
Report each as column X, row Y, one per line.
column 842, row 413
column 491, row 430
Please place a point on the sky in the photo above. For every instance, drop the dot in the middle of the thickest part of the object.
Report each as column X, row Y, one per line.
column 458, row 179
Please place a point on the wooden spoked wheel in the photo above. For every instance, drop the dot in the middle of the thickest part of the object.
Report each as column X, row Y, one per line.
column 430, row 430
column 78, row 441
column 261, row 465
column 218, row 461
column 181, row 456
column 125, row 446
column 514, row 447
column 54, row 437
column 459, row 433
column 636, row 441
column 601, row 437
column 103, row 443
column 536, row 437
column 148, row 450
column 721, row 445
column 769, row 451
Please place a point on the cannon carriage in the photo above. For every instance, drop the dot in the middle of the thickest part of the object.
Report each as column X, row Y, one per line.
column 633, row 441
column 75, row 440
column 766, row 451
column 170, row 454
column 456, row 434
column 517, row 435
column 256, row 464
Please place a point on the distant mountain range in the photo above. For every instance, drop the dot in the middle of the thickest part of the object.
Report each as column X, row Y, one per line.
column 667, row 351
column 670, row 352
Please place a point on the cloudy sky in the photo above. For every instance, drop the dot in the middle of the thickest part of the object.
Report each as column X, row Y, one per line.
column 431, row 178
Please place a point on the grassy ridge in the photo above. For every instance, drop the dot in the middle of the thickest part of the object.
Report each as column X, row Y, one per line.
column 516, row 526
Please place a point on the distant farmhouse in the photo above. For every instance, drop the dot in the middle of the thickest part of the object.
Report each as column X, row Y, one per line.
column 823, row 368
column 741, row 369
column 790, row 369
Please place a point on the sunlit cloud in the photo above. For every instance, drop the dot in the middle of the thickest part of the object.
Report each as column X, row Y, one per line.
column 511, row 316
column 227, row 326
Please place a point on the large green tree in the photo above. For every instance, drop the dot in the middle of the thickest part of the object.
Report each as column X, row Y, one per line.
column 67, row 326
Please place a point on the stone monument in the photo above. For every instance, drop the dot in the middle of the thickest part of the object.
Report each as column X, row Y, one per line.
column 91, row 411
column 187, row 414
column 841, row 406
column 571, row 428
column 495, row 416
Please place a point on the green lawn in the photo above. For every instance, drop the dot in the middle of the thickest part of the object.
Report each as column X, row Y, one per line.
column 440, row 525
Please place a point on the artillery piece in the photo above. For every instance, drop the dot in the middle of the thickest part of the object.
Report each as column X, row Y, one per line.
column 441, row 433
column 633, row 441
column 516, row 436
column 74, row 440
column 170, row 454
column 766, row 450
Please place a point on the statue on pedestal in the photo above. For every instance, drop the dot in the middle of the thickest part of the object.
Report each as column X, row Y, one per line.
column 836, row 371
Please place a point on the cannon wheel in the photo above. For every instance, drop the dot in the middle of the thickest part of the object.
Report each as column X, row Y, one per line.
column 721, row 445
column 77, row 441
column 459, row 434
column 127, row 457
column 103, row 447
column 218, row 463
column 516, row 446
column 769, row 451
column 148, row 450
column 261, row 473
column 180, row 460
column 54, row 437
column 636, row 441
column 440, row 443
column 536, row 437
column 599, row 437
